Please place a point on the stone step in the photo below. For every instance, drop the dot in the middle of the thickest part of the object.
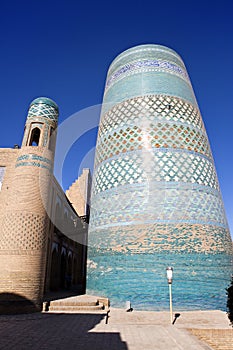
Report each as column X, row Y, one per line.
column 79, row 303
column 74, row 308
column 57, row 303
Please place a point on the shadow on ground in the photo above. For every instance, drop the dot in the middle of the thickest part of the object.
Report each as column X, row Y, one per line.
column 12, row 303
column 57, row 331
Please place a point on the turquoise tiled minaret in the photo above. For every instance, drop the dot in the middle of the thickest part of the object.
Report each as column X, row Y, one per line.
column 42, row 115
column 156, row 199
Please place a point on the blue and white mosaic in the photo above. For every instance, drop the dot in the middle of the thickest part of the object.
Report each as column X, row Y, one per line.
column 34, row 157
column 145, row 52
column 171, row 203
column 34, row 160
column 162, row 83
column 43, row 107
column 146, row 66
column 155, row 197
column 153, row 109
column 34, row 164
column 159, row 165
column 43, row 114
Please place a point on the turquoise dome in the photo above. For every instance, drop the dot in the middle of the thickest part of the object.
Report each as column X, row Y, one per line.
column 44, row 100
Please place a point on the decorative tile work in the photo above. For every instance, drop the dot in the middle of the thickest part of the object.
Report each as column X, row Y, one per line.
column 34, row 157
column 45, row 101
column 156, row 165
column 148, row 122
column 156, row 203
column 155, row 197
column 35, row 161
column 43, row 110
column 41, row 120
column 43, row 114
column 146, row 66
column 150, row 108
column 199, row 279
column 145, row 52
column 162, row 135
column 157, row 238
column 34, row 164
column 157, row 83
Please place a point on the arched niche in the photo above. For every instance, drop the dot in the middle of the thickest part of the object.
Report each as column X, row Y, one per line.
column 35, row 137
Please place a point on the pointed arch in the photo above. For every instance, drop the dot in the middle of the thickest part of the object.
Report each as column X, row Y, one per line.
column 35, row 137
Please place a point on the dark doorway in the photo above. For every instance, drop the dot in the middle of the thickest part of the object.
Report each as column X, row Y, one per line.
column 35, row 137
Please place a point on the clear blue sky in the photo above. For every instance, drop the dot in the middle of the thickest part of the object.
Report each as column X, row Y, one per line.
column 62, row 49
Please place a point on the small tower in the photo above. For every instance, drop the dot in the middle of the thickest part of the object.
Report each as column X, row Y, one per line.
column 26, row 220
column 41, row 124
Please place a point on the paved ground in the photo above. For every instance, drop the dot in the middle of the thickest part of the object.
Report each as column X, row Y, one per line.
column 124, row 331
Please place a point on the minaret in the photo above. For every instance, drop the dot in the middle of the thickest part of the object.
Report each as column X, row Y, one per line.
column 155, row 199
column 25, row 225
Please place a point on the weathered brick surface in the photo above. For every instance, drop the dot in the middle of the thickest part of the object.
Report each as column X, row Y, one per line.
column 32, row 203
column 40, row 231
column 79, row 193
column 24, row 227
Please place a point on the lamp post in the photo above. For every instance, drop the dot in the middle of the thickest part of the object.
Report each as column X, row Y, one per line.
column 169, row 280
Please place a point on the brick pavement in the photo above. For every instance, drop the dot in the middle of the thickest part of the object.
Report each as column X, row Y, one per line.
column 56, row 331
column 217, row 338
column 125, row 331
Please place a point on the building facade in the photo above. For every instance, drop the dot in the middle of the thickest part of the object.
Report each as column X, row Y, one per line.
column 42, row 238
column 79, row 194
column 155, row 195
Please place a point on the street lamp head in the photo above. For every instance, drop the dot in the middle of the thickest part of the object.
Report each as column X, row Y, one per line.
column 169, row 274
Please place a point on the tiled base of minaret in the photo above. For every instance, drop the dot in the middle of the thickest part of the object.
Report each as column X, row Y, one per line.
column 199, row 280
